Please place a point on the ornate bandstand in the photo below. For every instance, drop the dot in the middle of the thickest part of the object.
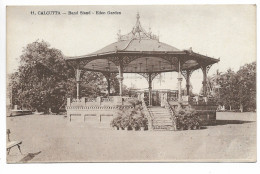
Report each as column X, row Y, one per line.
column 139, row 52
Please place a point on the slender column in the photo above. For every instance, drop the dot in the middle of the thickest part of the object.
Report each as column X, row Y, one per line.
column 150, row 89
column 120, row 78
column 179, row 82
column 204, row 70
column 188, row 82
column 78, row 71
column 108, row 86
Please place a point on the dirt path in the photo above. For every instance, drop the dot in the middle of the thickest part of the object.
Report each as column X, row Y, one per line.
column 53, row 139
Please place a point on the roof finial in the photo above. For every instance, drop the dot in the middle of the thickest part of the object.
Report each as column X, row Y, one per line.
column 137, row 16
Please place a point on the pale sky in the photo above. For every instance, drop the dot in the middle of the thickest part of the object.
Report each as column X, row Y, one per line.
column 225, row 31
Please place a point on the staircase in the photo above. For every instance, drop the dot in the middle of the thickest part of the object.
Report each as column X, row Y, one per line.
column 161, row 118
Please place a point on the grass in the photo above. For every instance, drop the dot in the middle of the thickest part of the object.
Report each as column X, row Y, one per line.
column 51, row 138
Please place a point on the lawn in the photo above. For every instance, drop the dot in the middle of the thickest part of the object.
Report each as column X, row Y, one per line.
column 51, row 138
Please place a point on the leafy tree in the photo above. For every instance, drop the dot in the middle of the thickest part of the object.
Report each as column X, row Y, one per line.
column 247, row 87
column 44, row 80
column 236, row 90
column 228, row 90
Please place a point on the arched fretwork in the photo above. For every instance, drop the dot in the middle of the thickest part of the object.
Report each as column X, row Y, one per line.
column 149, row 75
column 205, row 70
column 187, row 74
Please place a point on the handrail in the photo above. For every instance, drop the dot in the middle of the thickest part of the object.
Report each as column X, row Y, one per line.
column 147, row 113
column 170, row 110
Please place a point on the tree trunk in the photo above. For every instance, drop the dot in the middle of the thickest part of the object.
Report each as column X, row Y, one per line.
column 230, row 107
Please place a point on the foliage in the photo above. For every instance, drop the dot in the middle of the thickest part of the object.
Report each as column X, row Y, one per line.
column 187, row 118
column 116, row 122
column 247, row 87
column 236, row 90
column 44, row 80
column 131, row 117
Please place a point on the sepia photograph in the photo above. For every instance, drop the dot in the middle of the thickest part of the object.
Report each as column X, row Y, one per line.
column 131, row 83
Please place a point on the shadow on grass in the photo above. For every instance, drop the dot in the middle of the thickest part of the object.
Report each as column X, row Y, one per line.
column 225, row 122
column 29, row 157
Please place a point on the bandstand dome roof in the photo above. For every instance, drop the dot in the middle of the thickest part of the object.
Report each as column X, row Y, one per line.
column 140, row 52
column 137, row 45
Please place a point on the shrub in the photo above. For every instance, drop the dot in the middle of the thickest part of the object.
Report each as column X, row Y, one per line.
column 187, row 119
column 131, row 117
column 116, row 122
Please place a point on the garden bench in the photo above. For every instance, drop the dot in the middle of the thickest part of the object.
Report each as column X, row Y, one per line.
column 11, row 144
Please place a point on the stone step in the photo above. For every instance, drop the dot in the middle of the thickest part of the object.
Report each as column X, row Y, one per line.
column 161, row 128
column 161, row 118
column 159, row 110
column 160, row 113
column 157, row 124
column 162, row 121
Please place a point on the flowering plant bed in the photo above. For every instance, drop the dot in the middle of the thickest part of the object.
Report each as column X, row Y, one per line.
column 131, row 118
column 187, row 119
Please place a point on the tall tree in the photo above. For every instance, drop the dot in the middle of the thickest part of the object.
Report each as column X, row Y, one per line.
column 237, row 90
column 44, row 80
column 247, row 87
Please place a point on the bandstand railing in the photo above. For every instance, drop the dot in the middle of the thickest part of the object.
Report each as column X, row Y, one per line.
column 148, row 115
column 100, row 101
column 170, row 110
column 109, row 99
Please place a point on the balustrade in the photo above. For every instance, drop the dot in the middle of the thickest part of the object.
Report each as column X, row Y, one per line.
column 110, row 99
column 100, row 101
column 170, row 110
column 91, row 100
column 148, row 115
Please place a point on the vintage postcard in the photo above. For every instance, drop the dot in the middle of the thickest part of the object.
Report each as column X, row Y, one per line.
column 150, row 83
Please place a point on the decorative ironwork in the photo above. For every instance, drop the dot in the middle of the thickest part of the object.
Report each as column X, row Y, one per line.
column 123, row 61
column 73, row 64
column 137, row 32
column 90, row 99
column 154, row 75
column 84, row 62
column 186, row 73
column 109, row 99
column 207, row 68
column 146, row 75
column 80, row 63
column 128, row 59
column 115, row 59
column 170, row 59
